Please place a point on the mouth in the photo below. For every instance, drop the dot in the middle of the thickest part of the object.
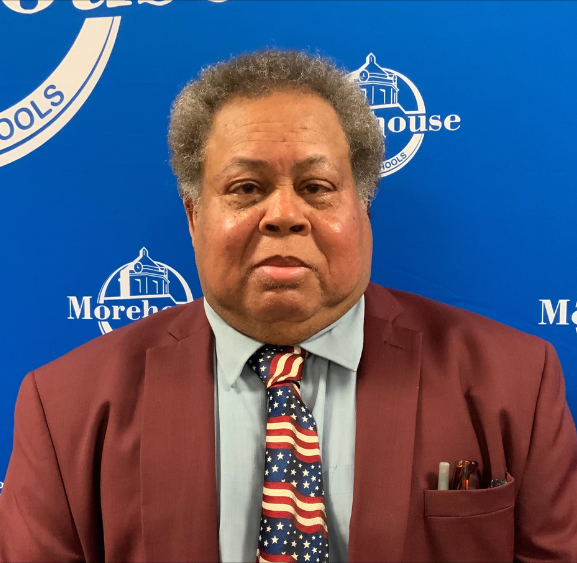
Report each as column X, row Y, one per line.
column 279, row 269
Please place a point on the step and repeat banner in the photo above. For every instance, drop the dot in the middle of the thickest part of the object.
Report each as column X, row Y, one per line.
column 477, row 204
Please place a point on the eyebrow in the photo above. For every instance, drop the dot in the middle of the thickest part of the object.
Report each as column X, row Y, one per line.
column 256, row 163
column 244, row 163
column 312, row 161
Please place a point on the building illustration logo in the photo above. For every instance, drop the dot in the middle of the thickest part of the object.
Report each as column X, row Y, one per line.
column 35, row 119
column 133, row 291
column 400, row 110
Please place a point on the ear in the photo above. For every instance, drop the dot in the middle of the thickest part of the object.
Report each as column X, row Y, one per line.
column 191, row 214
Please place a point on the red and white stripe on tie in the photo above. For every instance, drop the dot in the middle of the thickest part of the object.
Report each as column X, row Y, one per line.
column 293, row 517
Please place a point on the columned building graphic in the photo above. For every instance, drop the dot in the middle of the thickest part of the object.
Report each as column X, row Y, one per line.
column 144, row 277
column 378, row 84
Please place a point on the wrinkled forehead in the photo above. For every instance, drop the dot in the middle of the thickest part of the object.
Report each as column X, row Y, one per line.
column 291, row 128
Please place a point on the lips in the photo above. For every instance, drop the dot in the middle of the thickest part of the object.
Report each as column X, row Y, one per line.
column 283, row 262
column 282, row 270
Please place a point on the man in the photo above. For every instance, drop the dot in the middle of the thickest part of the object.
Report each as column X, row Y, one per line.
column 197, row 433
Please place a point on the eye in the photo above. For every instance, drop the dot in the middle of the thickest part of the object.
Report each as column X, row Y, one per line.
column 315, row 189
column 247, row 188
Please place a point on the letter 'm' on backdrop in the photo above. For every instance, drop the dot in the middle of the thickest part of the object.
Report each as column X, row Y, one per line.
column 477, row 203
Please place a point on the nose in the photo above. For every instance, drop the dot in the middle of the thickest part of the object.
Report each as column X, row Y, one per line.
column 284, row 214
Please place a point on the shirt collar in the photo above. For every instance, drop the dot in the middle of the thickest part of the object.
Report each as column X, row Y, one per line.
column 233, row 348
column 340, row 342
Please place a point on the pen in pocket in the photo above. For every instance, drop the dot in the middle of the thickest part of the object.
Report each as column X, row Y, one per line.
column 465, row 476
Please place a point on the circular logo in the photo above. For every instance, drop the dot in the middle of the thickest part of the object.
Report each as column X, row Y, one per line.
column 400, row 111
column 134, row 291
column 137, row 290
column 35, row 119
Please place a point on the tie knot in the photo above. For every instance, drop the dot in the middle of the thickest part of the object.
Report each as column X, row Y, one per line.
column 278, row 364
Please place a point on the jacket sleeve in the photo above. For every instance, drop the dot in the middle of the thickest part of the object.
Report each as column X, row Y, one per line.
column 546, row 507
column 35, row 519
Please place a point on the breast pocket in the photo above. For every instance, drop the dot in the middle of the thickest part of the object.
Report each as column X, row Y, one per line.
column 474, row 525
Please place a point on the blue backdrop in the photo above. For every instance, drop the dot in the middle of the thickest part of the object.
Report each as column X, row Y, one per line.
column 478, row 213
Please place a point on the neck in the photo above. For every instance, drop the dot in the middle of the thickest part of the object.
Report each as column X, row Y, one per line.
column 285, row 333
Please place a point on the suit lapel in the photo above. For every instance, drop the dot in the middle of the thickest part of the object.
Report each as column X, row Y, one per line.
column 179, row 501
column 387, row 396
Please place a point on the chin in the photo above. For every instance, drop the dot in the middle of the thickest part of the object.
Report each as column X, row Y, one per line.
column 281, row 305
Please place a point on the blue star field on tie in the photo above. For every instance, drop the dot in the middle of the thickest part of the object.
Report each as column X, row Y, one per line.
column 293, row 523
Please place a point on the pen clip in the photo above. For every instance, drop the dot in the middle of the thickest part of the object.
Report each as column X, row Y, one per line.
column 497, row 482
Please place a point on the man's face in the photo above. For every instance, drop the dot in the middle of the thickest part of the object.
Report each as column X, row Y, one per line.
column 282, row 240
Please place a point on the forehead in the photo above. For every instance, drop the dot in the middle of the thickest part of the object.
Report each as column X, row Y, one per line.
column 284, row 126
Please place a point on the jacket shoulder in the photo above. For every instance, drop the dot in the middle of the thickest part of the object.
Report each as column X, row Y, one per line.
column 121, row 354
column 448, row 328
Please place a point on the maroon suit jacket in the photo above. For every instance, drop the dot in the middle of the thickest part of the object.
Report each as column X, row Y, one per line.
column 114, row 448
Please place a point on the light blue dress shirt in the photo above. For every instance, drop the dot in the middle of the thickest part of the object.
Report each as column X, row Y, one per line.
column 328, row 389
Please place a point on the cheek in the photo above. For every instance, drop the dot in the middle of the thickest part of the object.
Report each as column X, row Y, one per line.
column 343, row 243
column 226, row 238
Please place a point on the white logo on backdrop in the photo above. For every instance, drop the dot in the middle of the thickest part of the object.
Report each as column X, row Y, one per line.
column 38, row 117
column 134, row 291
column 400, row 110
column 560, row 314
column 35, row 119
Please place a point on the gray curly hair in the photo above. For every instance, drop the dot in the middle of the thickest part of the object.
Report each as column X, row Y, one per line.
column 260, row 74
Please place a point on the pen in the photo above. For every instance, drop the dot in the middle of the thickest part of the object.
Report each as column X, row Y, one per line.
column 466, row 475
column 444, row 468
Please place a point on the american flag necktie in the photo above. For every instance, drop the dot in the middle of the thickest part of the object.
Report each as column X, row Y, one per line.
column 293, row 523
